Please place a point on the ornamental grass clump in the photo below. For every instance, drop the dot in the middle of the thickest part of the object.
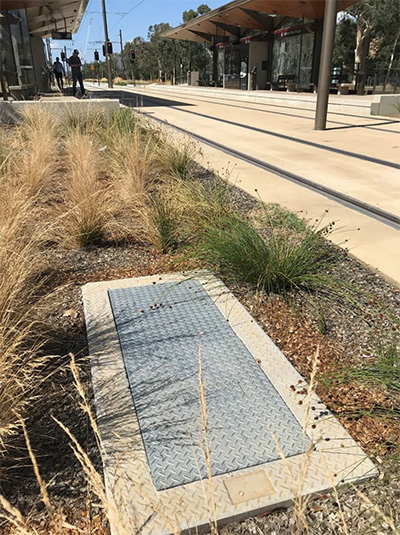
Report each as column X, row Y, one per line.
column 175, row 156
column 89, row 120
column 130, row 159
column 88, row 207
column 33, row 158
column 273, row 262
column 19, row 267
column 124, row 121
column 164, row 222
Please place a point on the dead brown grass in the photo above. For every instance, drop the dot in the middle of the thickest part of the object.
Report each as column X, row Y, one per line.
column 132, row 163
column 88, row 208
column 19, row 265
column 34, row 149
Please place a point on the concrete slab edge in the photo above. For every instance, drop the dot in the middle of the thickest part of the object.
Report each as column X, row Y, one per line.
column 335, row 459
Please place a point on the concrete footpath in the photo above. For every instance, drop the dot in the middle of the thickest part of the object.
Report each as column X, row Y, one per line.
column 357, row 155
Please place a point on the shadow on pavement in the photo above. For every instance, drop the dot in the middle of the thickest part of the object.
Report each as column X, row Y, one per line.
column 129, row 98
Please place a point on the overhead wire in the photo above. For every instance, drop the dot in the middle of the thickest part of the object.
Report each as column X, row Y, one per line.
column 127, row 13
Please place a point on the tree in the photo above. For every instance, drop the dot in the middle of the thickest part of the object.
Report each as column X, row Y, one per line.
column 162, row 49
column 203, row 9
column 378, row 19
column 158, row 56
column 189, row 15
column 196, row 56
column 345, row 41
column 145, row 66
column 192, row 14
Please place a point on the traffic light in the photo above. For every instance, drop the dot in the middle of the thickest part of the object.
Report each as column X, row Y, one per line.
column 133, row 55
column 63, row 58
column 104, row 50
column 96, row 55
column 109, row 48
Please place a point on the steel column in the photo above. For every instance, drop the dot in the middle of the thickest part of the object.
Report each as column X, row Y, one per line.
column 324, row 80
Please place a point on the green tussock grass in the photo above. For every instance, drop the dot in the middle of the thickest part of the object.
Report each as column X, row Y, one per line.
column 384, row 370
column 273, row 262
column 164, row 222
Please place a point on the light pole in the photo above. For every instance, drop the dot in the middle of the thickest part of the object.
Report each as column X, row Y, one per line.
column 108, row 57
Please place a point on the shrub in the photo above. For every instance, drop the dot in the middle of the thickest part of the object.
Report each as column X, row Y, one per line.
column 120, row 81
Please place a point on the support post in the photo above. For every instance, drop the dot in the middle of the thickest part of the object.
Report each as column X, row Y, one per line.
column 108, row 57
column 215, row 65
column 122, row 49
column 324, row 80
column 2, row 58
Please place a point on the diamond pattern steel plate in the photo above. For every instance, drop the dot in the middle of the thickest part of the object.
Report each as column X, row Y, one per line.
column 136, row 505
column 162, row 328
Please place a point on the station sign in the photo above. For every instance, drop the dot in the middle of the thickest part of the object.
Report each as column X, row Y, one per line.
column 61, row 35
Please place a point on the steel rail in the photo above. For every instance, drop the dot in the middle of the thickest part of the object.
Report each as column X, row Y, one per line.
column 347, row 200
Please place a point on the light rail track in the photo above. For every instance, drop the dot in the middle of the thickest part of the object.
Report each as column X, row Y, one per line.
column 374, row 126
column 353, row 203
column 292, row 139
column 346, row 200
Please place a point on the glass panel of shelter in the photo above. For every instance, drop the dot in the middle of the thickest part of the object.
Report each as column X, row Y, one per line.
column 22, row 48
column 6, row 50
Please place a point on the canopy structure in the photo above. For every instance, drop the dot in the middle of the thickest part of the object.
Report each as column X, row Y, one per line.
column 235, row 18
column 240, row 19
column 45, row 16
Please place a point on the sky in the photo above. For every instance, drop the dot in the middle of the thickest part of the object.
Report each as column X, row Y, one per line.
column 143, row 13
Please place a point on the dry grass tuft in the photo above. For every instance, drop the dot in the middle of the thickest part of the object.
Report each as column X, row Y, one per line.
column 34, row 147
column 131, row 160
column 19, row 264
column 88, row 207
column 175, row 156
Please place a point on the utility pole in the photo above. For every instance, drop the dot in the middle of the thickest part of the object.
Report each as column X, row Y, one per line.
column 324, row 80
column 108, row 57
column 122, row 49
column 120, row 40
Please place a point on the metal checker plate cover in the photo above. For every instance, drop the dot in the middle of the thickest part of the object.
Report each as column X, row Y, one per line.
column 160, row 347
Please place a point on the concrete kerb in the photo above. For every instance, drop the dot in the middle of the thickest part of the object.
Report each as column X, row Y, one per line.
column 337, row 104
column 385, row 105
column 11, row 112
column 335, row 458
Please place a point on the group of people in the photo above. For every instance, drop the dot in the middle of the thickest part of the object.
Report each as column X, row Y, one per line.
column 76, row 69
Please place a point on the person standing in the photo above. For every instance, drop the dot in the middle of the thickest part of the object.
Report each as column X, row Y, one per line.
column 75, row 63
column 59, row 72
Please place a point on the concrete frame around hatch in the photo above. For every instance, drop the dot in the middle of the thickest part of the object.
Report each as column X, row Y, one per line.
column 335, row 459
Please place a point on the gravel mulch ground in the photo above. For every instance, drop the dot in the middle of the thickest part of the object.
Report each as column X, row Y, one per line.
column 292, row 325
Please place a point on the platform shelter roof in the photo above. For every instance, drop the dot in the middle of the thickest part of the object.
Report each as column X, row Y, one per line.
column 232, row 19
column 44, row 16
